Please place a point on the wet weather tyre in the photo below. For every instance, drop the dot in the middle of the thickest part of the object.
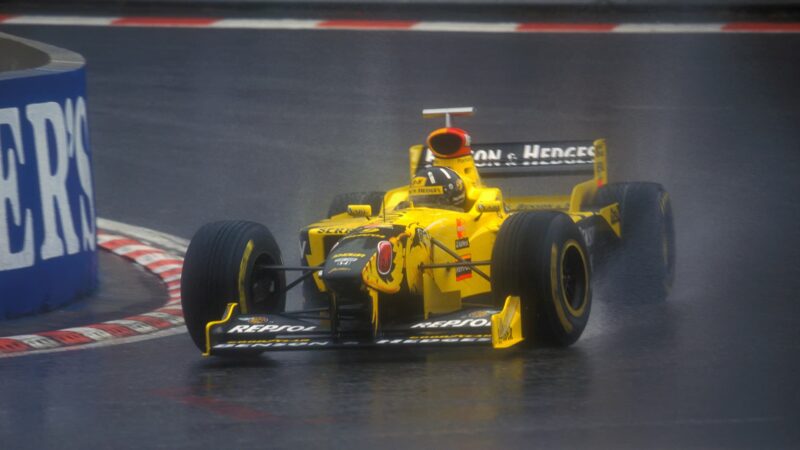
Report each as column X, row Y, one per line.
column 223, row 264
column 542, row 258
column 340, row 202
column 644, row 259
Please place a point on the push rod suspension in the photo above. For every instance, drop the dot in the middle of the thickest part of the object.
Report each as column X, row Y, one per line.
column 456, row 264
column 289, row 268
column 309, row 270
column 455, row 255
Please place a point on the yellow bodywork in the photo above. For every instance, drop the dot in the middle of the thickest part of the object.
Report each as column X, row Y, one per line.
column 470, row 233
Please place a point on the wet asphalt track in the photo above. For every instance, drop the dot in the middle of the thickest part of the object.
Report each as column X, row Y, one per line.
column 193, row 125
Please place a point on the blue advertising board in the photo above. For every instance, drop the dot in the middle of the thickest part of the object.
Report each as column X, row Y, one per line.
column 47, row 215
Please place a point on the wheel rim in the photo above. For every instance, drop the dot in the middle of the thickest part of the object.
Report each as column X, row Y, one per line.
column 574, row 278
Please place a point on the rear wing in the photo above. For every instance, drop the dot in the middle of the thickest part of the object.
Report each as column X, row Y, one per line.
column 513, row 159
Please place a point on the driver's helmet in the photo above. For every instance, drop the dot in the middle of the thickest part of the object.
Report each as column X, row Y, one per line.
column 438, row 187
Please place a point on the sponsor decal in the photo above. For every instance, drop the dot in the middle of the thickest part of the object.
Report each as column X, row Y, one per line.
column 462, row 243
column 506, row 335
column 332, row 230
column 271, row 344
column 350, row 255
column 530, row 154
column 421, row 238
column 426, row 190
column 456, row 323
column 344, row 261
column 479, row 314
column 506, row 332
column 459, row 228
column 614, row 216
column 255, row 320
column 418, row 181
column 369, row 229
column 270, row 328
column 444, row 339
column 534, row 155
column 464, row 272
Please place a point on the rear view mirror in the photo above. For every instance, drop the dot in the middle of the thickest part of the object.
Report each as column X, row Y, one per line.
column 359, row 211
column 489, row 206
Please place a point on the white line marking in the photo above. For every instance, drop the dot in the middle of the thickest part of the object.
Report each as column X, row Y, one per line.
column 266, row 24
column 668, row 28
column 60, row 20
column 466, row 27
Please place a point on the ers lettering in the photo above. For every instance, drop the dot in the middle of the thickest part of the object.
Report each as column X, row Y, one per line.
column 59, row 153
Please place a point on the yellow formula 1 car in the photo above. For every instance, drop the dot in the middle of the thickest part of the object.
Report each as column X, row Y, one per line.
column 444, row 260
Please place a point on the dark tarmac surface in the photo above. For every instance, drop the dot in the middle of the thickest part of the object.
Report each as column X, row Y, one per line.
column 190, row 126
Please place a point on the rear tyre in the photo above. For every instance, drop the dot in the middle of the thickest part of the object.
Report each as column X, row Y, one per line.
column 645, row 256
column 223, row 264
column 542, row 258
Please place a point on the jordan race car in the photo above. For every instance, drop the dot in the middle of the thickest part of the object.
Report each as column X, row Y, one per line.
column 445, row 260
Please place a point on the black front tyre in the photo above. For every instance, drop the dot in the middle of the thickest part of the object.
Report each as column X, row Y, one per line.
column 224, row 264
column 542, row 257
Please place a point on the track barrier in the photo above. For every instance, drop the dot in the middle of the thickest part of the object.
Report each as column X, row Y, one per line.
column 48, row 232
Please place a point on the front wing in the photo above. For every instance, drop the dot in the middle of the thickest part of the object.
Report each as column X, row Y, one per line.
column 249, row 333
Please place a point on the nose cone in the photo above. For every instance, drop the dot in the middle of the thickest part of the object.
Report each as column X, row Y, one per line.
column 346, row 262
